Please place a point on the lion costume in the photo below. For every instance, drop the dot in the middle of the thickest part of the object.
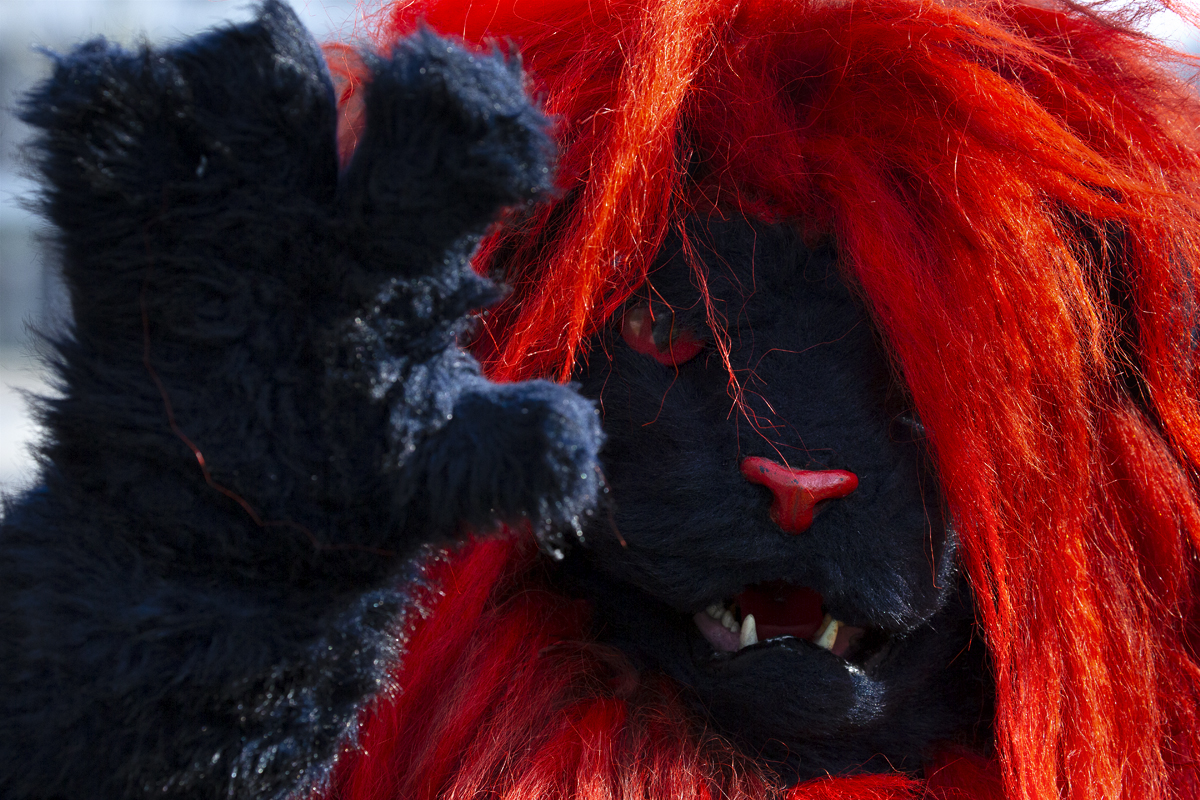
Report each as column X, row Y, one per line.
column 1013, row 187
column 983, row 212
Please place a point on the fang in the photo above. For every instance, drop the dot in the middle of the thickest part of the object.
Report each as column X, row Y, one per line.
column 749, row 634
column 827, row 634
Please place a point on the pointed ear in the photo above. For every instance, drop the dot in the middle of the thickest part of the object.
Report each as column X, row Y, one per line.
column 450, row 139
column 239, row 110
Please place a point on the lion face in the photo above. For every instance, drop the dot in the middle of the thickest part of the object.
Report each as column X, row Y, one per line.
column 799, row 496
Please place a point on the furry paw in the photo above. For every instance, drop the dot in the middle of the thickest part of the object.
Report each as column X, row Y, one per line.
column 265, row 406
column 516, row 452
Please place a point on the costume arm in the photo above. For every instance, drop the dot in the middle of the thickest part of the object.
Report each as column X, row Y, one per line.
column 265, row 412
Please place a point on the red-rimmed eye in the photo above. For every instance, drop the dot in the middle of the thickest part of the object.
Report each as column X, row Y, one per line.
column 637, row 328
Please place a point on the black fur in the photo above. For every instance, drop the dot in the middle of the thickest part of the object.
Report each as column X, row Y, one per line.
column 299, row 328
column 817, row 391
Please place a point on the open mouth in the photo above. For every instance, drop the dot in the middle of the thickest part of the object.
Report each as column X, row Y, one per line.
column 774, row 611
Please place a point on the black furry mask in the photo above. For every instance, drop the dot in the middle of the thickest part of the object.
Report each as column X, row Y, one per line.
column 862, row 641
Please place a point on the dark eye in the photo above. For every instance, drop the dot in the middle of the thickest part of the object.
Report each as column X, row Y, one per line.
column 660, row 342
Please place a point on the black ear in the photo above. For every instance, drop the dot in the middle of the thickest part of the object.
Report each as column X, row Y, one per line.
column 450, row 139
column 138, row 147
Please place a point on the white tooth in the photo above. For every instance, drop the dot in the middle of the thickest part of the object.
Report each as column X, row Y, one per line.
column 728, row 621
column 715, row 611
column 749, row 633
column 827, row 633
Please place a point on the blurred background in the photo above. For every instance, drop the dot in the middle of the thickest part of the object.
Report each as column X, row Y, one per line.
column 31, row 297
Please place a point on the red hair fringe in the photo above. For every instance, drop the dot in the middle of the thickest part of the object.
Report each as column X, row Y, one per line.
column 1013, row 188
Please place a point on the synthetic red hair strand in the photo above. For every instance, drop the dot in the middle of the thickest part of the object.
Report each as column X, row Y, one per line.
column 1013, row 189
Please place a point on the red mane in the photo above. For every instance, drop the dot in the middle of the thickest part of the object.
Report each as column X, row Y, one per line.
column 1014, row 190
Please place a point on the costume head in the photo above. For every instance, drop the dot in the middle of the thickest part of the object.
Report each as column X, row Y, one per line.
column 1012, row 190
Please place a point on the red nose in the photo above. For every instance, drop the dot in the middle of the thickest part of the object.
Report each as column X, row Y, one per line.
column 797, row 491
